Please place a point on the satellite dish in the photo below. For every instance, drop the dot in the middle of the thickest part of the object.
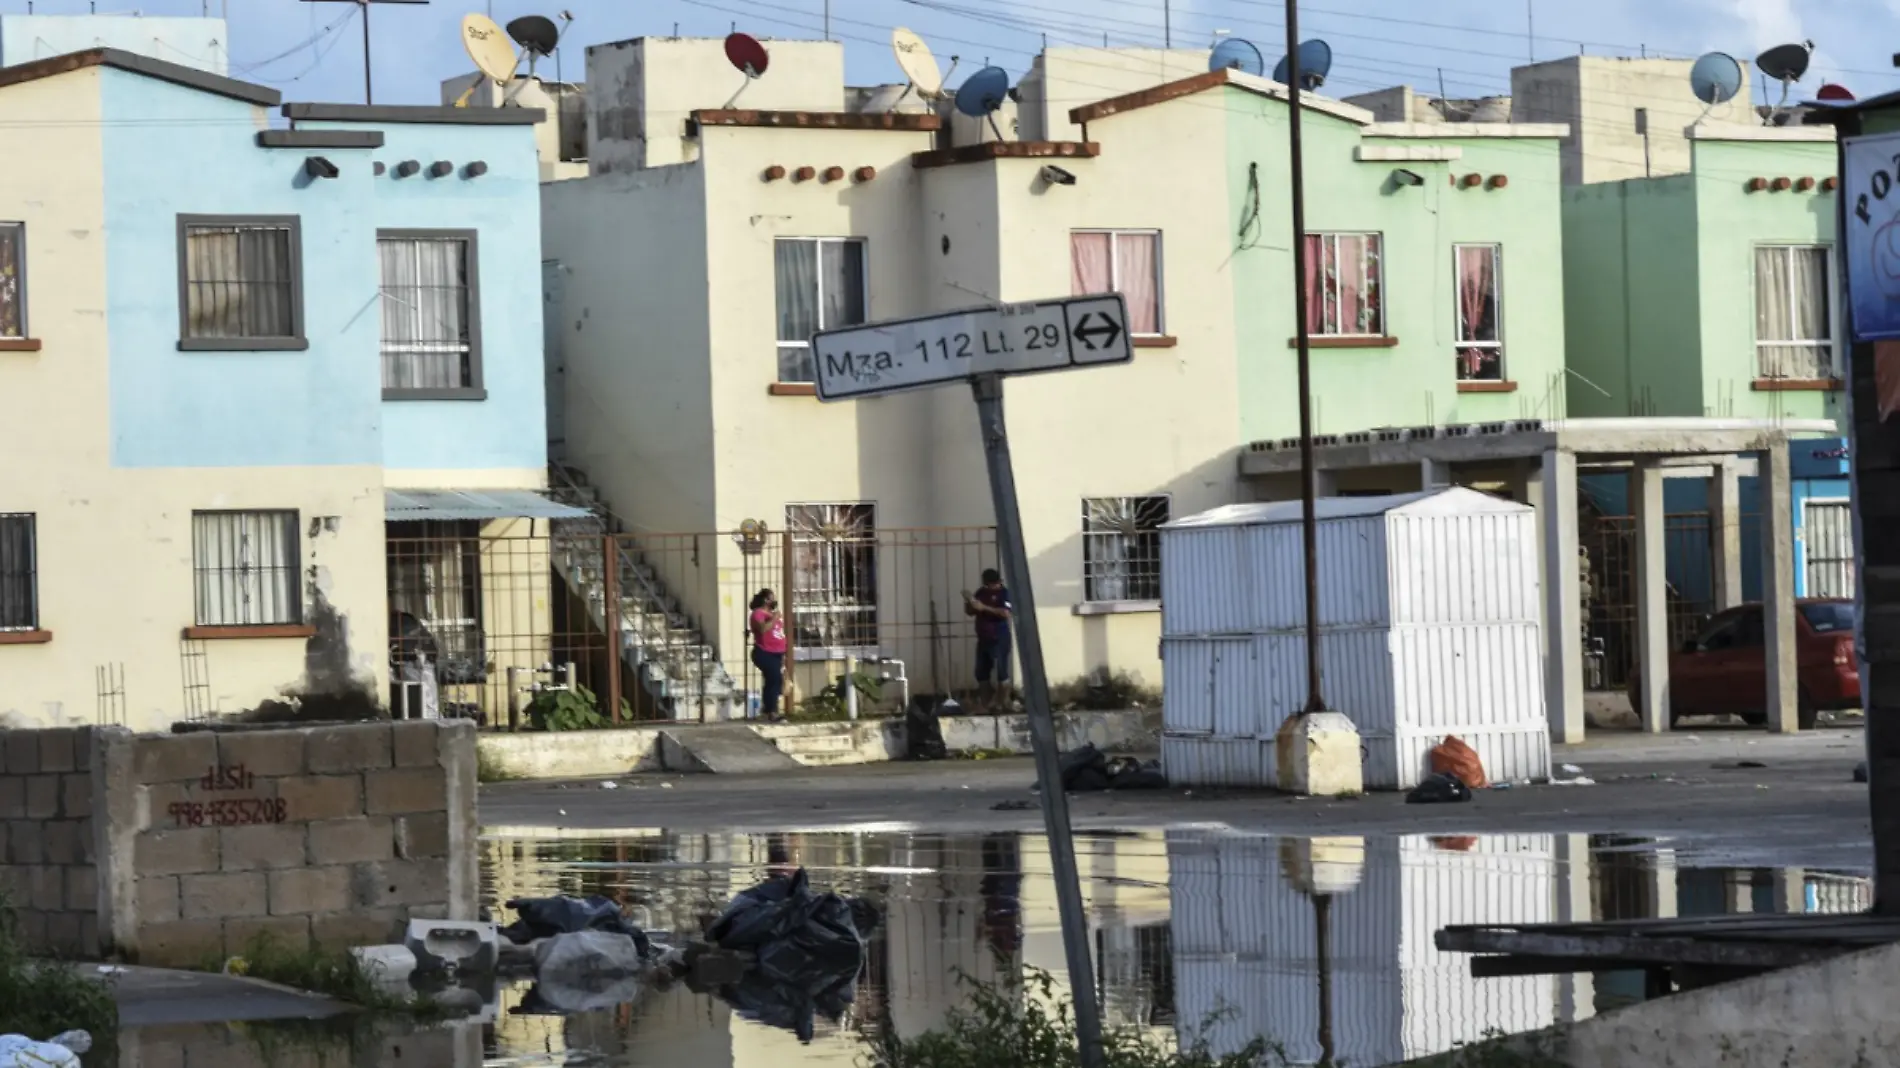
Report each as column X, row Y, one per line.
column 1715, row 78
column 1785, row 64
column 536, row 34
column 1316, row 59
column 983, row 92
column 1839, row 94
column 488, row 46
column 1234, row 53
column 918, row 64
column 745, row 53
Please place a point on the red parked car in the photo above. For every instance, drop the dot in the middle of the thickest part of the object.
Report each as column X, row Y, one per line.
column 1723, row 670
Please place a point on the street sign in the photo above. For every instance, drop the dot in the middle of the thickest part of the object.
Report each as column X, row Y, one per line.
column 1009, row 339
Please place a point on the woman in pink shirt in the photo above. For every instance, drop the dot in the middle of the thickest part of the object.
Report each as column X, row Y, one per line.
column 768, row 651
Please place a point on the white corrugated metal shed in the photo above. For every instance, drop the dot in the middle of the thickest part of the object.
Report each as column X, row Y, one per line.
column 1449, row 500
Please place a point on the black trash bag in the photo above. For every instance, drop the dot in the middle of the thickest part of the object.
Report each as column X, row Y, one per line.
column 923, row 734
column 1127, row 773
column 1440, row 787
column 1084, row 770
column 794, row 1007
column 545, row 917
column 809, row 948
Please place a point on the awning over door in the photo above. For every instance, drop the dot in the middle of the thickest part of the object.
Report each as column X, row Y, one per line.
column 404, row 506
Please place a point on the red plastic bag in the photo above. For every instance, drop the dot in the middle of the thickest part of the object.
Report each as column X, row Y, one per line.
column 1452, row 756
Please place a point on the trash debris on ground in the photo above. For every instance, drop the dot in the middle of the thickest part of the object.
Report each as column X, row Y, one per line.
column 610, row 785
column 1732, row 765
column 1016, row 805
column 545, row 917
column 1453, row 757
column 437, row 945
column 1572, row 769
column 1860, row 772
column 805, row 951
column 1088, row 769
column 1440, row 787
column 923, row 732
column 1578, row 781
column 60, row 1051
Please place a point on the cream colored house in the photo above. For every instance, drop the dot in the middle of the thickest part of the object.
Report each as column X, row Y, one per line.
column 708, row 242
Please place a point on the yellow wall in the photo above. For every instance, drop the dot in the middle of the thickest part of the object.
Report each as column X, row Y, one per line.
column 114, row 545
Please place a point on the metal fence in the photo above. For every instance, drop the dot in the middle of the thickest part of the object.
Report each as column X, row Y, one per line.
column 483, row 618
column 1610, row 543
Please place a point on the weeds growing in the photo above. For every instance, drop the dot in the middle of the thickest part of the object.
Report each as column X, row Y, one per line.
column 332, row 974
column 41, row 999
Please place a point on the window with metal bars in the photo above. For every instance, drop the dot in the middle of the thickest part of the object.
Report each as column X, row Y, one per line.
column 19, row 572
column 12, row 280
column 1121, row 548
column 834, row 577
column 1345, row 285
column 431, row 312
column 435, row 578
column 241, row 282
column 244, row 566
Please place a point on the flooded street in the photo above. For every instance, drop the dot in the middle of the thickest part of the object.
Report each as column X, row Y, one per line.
column 1195, row 931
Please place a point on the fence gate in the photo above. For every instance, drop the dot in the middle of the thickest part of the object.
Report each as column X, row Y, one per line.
column 1610, row 618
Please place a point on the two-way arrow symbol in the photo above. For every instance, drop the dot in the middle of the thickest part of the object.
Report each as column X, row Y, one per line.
column 1108, row 327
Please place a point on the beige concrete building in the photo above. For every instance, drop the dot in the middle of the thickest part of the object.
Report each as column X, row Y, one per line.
column 709, row 242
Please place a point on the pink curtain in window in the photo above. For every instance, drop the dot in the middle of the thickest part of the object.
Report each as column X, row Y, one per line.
column 1089, row 270
column 1474, row 289
column 1136, row 269
column 1315, row 293
column 1349, row 277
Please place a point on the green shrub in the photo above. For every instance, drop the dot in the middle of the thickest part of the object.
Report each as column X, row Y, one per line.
column 41, row 999
column 571, row 710
column 828, row 705
column 1103, row 692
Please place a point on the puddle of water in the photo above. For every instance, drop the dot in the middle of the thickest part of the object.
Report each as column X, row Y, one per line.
column 1194, row 931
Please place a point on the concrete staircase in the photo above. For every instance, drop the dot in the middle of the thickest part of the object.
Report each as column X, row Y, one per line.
column 726, row 749
column 678, row 669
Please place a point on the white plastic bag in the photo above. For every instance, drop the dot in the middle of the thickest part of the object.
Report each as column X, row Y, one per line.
column 19, row 1051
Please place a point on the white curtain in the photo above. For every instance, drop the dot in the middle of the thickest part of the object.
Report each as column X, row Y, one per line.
column 1793, row 330
column 1137, row 263
column 1091, row 268
column 425, row 299
column 795, row 266
column 245, row 568
column 238, row 282
column 18, row 610
column 12, row 270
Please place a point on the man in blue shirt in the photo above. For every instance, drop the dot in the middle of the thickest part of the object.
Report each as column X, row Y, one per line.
column 991, row 608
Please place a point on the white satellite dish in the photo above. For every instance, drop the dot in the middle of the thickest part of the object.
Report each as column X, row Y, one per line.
column 919, row 65
column 488, row 46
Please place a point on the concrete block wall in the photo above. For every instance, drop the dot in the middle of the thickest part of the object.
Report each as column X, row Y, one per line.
column 49, row 868
column 334, row 836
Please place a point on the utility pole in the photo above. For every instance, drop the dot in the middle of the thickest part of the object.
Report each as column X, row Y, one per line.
column 1309, row 525
column 369, row 96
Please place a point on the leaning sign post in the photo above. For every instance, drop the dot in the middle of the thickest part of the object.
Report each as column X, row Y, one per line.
column 983, row 346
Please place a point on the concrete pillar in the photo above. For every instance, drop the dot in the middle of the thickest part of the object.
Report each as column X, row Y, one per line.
column 1652, row 597
column 1739, row 888
column 1777, row 590
column 1791, row 889
column 1725, row 532
column 1325, row 484
column 1662, row 884
column 1576, row 993
column 1563, row 604
column 1433, row 474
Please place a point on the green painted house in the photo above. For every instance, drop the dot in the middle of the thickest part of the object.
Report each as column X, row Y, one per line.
column 1710, row 293
column 1433, row 291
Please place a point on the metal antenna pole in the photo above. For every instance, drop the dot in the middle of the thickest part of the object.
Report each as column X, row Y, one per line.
column 368, row 96
column 1042, row 728
column 1530, row 30
column 1309, row 527
column 1167, row 24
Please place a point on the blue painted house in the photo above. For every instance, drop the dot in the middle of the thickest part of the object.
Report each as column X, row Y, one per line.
column 271, row 387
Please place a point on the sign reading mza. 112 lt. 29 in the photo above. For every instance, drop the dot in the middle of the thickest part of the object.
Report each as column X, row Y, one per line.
column 1012, row 339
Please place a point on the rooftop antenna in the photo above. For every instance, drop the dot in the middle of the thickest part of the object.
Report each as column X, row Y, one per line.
column 488, row 47
column 919, row 65
column 1785, row 64
column 1237, row 53
column 1835, row 94
column 748, row 56
column 1316, row 59
column 982, row 94
column 1715, row 79
column 538, row 36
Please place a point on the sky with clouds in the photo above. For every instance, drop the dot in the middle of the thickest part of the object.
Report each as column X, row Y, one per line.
column 313, row 51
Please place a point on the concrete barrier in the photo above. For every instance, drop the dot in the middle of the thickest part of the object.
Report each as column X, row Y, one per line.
column 630, row 750
column 178, row 849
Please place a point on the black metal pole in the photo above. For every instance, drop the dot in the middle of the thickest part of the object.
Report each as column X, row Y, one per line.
column 1323, row 937
column 1309, row 527
column 1042, row 727
column 368, row 96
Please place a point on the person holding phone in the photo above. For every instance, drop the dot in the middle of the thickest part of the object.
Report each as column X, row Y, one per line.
column 768, row 651
column 990, row 607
